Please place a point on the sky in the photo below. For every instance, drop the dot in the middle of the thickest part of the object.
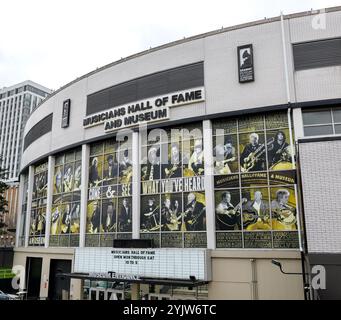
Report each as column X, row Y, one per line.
column 55, row 42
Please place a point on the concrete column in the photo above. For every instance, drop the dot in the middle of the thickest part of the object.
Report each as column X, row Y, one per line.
column 297, row 120
column 19, row 213
column 29, row 203
column 135, row 291
column 209, row 184
column 76, row 289
column 51, row 163
column 84, row 193
column 136, row 185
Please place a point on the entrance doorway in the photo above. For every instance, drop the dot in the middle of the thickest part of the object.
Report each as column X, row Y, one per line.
column 59, row 287
column 105, row 294
column 33, row 279
column 106, row 290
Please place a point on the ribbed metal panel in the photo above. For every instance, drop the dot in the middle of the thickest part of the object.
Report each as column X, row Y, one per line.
column 181, row 78
column 317, row 54
column 42, row 127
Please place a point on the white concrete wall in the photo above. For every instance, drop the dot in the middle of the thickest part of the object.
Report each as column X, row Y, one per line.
column 320, row 164
column 224, row 93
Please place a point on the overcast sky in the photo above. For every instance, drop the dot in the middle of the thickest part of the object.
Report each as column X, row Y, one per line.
column 54, row 42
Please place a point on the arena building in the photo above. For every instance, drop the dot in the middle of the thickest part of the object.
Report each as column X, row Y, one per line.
column 172, row 173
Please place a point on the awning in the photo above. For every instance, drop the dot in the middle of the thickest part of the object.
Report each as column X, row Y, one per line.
column 141, row 280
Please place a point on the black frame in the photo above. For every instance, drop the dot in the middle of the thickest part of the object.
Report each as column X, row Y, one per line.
column 240, row 70
column 66, row 109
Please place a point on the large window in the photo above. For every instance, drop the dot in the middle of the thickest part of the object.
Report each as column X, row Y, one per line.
column 255, row 202
column 173, row 208
column 109, row 212
column 65, row 217
column 326, row 121
column 38, row 209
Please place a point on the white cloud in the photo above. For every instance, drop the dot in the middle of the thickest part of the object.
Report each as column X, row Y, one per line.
column 54, row 42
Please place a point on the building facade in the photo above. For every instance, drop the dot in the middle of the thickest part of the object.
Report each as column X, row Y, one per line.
column 16, row 103
column 190, row 148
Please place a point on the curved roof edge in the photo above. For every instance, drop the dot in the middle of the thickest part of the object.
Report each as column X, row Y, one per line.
column 191, row 38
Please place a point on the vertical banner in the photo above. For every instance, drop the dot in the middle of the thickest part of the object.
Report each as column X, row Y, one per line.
column 245, row 64
column 66, row 113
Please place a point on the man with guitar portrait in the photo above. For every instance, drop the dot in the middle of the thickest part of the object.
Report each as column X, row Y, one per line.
column 125, row 167
column 110, row 170
column 253, row 157
column 171, row 213
column 256, row 213
column 225, row 155
column 228, row 216
column 124, row 216
column 195, row 214
column 173, row 167
column 150, row 219
column 151, row 170
column 283, row 214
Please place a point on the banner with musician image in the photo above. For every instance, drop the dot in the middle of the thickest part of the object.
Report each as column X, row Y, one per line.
column 194, row 211
column 228, row 209
column 38, row 205
column 58, row 180
column 280, row 150
column 110, row 169
column 124, row 214
column 172, row 217
column 109, row 210
column 283, row 208
column 75, row 217
column 77, row 182
column 56, row 215
column 252, row 152
column 225, row 152
column 40, row 185
column 38, row 222
column 68, row 178
column 256, row 209
column 125, row 166
column 171, row 161
column 69, row 219
column 109, row 216
column 151, row 165
column 93, row 221
column 193, row 158
column 96, row 171
column 150, row 214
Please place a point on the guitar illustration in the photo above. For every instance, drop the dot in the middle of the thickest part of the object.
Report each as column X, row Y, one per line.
column 170, row 172
column 250, row 218
column 253, row 158
column 231, row 216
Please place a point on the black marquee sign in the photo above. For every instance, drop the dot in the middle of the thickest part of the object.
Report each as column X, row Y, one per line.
column 66, row 113
column 245, row 64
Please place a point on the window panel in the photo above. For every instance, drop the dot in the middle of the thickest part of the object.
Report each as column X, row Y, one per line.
column 337, row 115
column 318, row 130
column 317, row 117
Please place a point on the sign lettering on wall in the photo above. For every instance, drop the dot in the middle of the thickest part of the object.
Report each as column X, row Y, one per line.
column 245, row 64
column 143, row 111
column 137, row 263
